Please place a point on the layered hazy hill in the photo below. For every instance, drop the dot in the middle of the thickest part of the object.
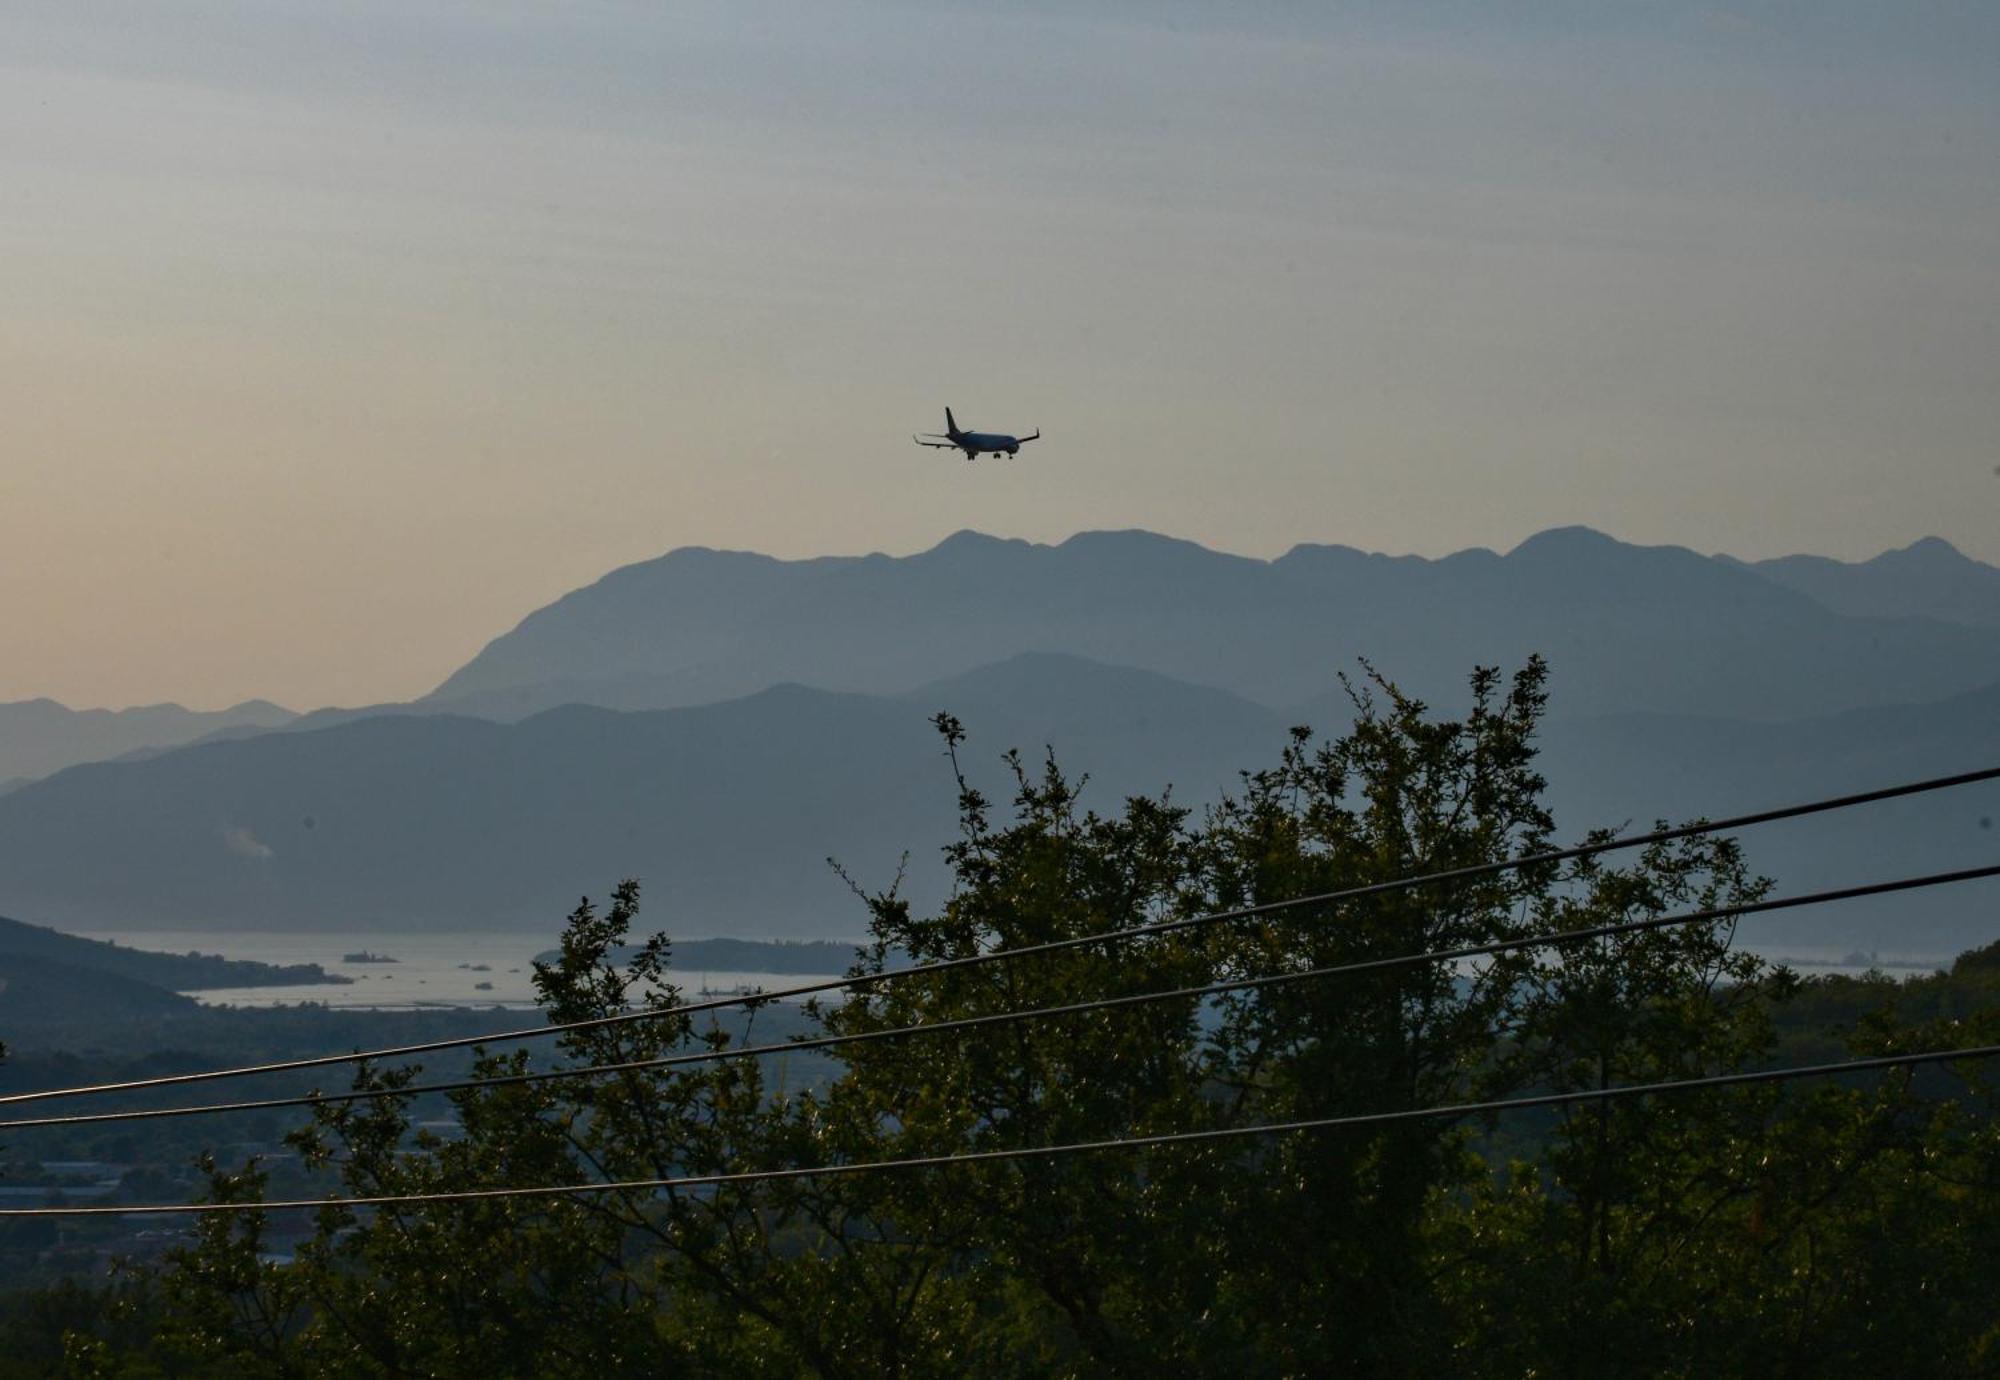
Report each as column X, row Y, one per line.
column 1927, row 579
column 441, row 821
column 1658, row 629
column 729, row 810
column 686, row 748
column 41, row 736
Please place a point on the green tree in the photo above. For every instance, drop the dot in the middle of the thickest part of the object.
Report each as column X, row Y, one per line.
column 1753, row 1229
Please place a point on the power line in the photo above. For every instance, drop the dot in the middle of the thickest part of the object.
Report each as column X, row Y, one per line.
column 1452, row 1110
column 1560, row 937
column 1051, row 946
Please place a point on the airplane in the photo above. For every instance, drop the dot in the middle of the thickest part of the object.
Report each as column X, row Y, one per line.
column 974, row 443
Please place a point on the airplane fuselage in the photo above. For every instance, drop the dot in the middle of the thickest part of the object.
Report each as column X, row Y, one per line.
column 987, row 443
column 973, row 444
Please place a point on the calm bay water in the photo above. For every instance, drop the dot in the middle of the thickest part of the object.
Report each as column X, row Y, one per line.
column 448, row 969
column 494, row 969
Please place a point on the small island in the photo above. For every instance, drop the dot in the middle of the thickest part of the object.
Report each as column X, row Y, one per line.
column 364, row 956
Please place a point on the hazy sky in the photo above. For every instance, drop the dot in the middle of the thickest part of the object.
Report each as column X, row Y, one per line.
column 338, row 336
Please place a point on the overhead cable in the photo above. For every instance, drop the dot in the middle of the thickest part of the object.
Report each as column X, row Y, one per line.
column 1039, row 1152
column 862, row 980
column 1264, row 981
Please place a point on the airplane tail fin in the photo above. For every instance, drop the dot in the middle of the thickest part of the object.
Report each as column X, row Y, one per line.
column 950, row 423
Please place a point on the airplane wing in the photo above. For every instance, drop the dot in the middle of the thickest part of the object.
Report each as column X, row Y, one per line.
column 936, row 445
column 1023, row 440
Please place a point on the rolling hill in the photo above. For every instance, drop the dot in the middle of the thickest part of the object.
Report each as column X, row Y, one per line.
column 189, row 972
column 37, row 991
column 728, row 811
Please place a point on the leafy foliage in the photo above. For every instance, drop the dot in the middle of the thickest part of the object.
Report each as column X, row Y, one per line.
column 1838, row 1229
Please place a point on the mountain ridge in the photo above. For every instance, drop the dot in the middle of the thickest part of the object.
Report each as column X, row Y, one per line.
column 1635, row 627
column 441, row 820
column 42, row 735
column 1928, row 578
column 728, row 811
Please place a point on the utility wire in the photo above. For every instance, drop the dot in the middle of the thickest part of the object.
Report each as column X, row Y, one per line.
column 1038, row 1152
column 1052, row 946
column 1212, row 989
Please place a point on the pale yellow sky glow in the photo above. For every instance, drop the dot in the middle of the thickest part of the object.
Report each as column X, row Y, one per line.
column 335, row 342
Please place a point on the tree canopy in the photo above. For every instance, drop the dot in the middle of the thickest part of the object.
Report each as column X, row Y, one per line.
column 1839, row 1227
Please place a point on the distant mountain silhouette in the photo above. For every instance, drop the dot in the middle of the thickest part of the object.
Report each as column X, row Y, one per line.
column 41, row 736
column 727, row 811
column 1926, row 579
column 1630, row 628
